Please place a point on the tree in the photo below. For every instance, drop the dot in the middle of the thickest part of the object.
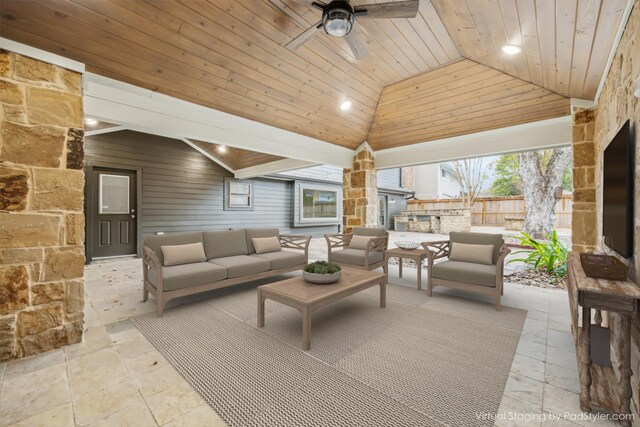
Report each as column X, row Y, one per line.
column 507, row 181
column 471, row 176
column 542, row 172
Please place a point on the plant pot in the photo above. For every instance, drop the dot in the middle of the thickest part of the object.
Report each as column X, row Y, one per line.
column 321, row 279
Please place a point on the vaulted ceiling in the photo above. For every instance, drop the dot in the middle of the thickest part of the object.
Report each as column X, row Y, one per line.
column 230, row 55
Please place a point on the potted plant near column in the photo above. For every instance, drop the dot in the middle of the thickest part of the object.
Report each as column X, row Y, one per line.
column 322, row 273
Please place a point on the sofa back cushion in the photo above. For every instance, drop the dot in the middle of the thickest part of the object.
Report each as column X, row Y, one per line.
column 369, row 231
column 359, row 242
column 259, row 233
column 477, row 254
column 495, row 240
column 155, row 243
column 183, row 254
column 265, row 245
column 224, row 243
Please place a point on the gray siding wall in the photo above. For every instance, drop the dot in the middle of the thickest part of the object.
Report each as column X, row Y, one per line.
column 389, row 178
column 182, row 190
column 396, row 203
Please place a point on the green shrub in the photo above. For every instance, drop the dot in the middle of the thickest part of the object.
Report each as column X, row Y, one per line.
column 550, row 256
column 322, row 267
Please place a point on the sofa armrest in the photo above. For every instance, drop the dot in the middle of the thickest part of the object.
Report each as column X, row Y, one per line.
column 296, row 241
column 336, row 241
column 151, row 260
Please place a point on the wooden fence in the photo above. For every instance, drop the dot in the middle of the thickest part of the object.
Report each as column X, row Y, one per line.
column 493, row 210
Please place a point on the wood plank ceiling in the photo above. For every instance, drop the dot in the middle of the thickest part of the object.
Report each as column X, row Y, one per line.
column 235, row 158
column 458, row 97
column 229, row 54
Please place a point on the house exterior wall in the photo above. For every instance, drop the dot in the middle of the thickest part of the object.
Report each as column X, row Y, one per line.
column 426, row 181
column 389, row 178
column 41, row 198
column 183, row 190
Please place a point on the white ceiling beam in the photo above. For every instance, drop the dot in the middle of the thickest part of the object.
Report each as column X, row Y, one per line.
column 271, row 168
column 151, row 112
column 208, row 155
column 544, row 134
column 42, row 55
column 104, row 130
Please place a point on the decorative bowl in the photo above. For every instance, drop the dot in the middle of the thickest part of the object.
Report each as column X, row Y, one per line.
column 407, row 245
column 321, row 279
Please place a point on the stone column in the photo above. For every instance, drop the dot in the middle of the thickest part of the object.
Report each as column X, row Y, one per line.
column 583, row 217
column 41, row 207
column 360, row 192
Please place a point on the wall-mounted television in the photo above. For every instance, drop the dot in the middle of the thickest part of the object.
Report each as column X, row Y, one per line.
column 617, row 192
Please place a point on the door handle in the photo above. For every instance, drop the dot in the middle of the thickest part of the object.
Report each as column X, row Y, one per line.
column 133, row 216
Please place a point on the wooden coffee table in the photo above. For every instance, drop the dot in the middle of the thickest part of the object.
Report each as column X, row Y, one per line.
column 306, row 297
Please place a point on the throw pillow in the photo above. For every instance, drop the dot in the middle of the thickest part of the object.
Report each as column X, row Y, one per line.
column 183, row 254
column 359, row 242
column 477, row 254
column 265, row 245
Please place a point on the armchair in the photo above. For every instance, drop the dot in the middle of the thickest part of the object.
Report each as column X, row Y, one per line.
column 370, row 258
column 483, row 278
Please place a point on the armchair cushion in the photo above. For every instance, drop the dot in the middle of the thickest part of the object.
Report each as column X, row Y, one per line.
column 188, row 275
column 282, row 259
column 479, row 254
column 355, row 256
column 359, row 242
column 465, row 272
column 479, row 239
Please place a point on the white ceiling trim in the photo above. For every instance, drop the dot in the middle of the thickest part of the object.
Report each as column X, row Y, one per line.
column 208, row 155
column 151, row 112
column 283, row 165
column 104, row 130
column 614, row 48
column 539, row 135
column 41, row 55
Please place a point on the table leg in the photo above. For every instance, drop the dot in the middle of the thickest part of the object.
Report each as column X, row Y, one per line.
column 419, row 268
column 260, row 309
column 306, row 329
column 383, row 294
column 399, row 267
column 585, row 372
column 625, row 369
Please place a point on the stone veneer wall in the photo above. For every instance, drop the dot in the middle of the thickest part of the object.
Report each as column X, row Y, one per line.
column 41, row 207
column 360, row 192
column 583, row 215
column 615, row 105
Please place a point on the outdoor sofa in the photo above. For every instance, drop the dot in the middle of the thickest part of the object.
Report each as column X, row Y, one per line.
column 475, row 262
column 179, row 264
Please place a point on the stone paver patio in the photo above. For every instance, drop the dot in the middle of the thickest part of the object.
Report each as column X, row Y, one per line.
column 116, row 377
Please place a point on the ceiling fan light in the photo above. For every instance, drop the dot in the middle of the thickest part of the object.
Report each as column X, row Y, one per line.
column 511, row 49
column 338, row 22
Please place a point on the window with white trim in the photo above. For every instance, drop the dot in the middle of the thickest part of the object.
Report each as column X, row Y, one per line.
column 238, row 195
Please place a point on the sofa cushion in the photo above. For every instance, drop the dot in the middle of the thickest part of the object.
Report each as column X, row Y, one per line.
column 282, row 259
column 355, row 256
column 369, row 231
column 224, row 243
column 479, row 239
column 479, row 254
column 242, row 265
column 465, row 272
column 188, row 275
column 155, row 242
column 183, row 254
column 359, row 242
column 265, row 245
column 252, row 233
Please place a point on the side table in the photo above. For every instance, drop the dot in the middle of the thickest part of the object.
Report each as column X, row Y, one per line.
column 418, row 255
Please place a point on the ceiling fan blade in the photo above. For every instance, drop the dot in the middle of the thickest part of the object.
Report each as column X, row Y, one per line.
column 317, row 4
column 302, row 38
column 356, row 44
column 399, row 9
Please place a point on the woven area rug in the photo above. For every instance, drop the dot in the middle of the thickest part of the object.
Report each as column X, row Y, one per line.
column 419, row 362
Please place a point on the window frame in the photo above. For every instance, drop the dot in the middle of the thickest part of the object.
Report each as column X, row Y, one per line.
column 323, row 220
column 227, row 195
column 100, row 193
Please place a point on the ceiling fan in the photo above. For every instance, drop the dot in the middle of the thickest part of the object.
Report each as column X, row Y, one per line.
column 338, row 19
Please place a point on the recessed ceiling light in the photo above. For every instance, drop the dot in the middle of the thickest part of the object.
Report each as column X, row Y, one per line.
column 511, row 49
column 89, row 121
column 345, row 105
column 222, row 148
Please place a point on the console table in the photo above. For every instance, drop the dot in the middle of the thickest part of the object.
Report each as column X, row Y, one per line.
column 600, row 387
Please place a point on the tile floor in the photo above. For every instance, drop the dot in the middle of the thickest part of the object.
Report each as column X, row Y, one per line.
column 116, row 378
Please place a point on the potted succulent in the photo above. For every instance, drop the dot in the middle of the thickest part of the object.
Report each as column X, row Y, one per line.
column 322, row 272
